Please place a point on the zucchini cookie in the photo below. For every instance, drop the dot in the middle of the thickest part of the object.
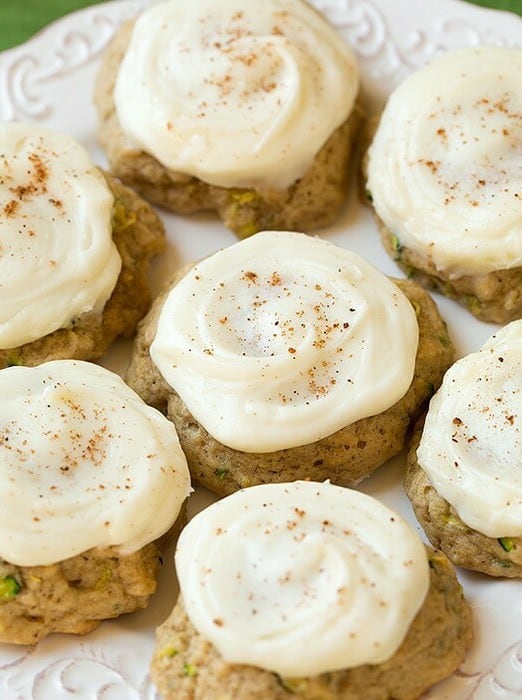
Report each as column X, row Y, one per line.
column 92, row 480
column 464, row 475
column 76, row 247
column 444, row 176
column 285, row 357
column 248, row 109
column 312, row 590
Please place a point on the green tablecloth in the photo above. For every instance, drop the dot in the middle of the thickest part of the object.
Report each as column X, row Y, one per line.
column 19, row 19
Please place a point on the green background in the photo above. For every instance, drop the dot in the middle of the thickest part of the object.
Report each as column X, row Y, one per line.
column 19, row 19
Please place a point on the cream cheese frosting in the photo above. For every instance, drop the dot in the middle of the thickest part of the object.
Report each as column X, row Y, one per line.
column 57, row 257
column 445, row 167
column 471, row 447
column 282, row 339
column 238, row 94
column 301, row 578
column 84, row 463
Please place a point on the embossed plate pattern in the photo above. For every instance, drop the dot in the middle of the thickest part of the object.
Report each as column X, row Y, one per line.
column 49, row 80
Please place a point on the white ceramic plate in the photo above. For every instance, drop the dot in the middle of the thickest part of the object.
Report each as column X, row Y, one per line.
column 49, row 81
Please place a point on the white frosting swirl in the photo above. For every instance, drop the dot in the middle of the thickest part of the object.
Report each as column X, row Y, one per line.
column 57, row 257
column 84, row 463
column 235, row 93
column 301, row 578
column 471, row 447
column 282, row 339
column 445, row 167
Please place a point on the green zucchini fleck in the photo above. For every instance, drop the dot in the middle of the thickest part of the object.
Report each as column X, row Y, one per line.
column 220, row 473
column 9, row 588
column 292, row 685
column 189, row 670
column 368, row 195
column 396, row 247
column 454, row 521
column 14, row 360
column 168, row 652
column 507, row 543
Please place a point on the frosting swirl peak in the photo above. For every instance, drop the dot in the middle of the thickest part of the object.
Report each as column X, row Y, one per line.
column 282, row 339
column 237, row 94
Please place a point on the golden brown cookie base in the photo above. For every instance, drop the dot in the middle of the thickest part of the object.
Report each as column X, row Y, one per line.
column 462, row 545
column 345, row 457
column 139, row 235
column 311, row 202
column 494, row 297
column 186, row 667
column 75, row 595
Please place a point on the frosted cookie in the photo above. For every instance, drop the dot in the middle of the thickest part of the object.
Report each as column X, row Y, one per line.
column 91, row 481
column 465, row 467
column 285, row 357
column 308, row 589
column 248, row 109
column 444, row 177
column 76, row 247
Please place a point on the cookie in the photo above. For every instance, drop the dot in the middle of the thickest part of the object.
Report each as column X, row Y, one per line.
column 355, row 608
column 444, row 179
column 463, row 475
column 92, row 482
column 273, row 359
column 220, row 106
column 77, row 249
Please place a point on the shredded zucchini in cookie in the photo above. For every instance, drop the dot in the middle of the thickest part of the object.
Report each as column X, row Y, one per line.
column 9, row 588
